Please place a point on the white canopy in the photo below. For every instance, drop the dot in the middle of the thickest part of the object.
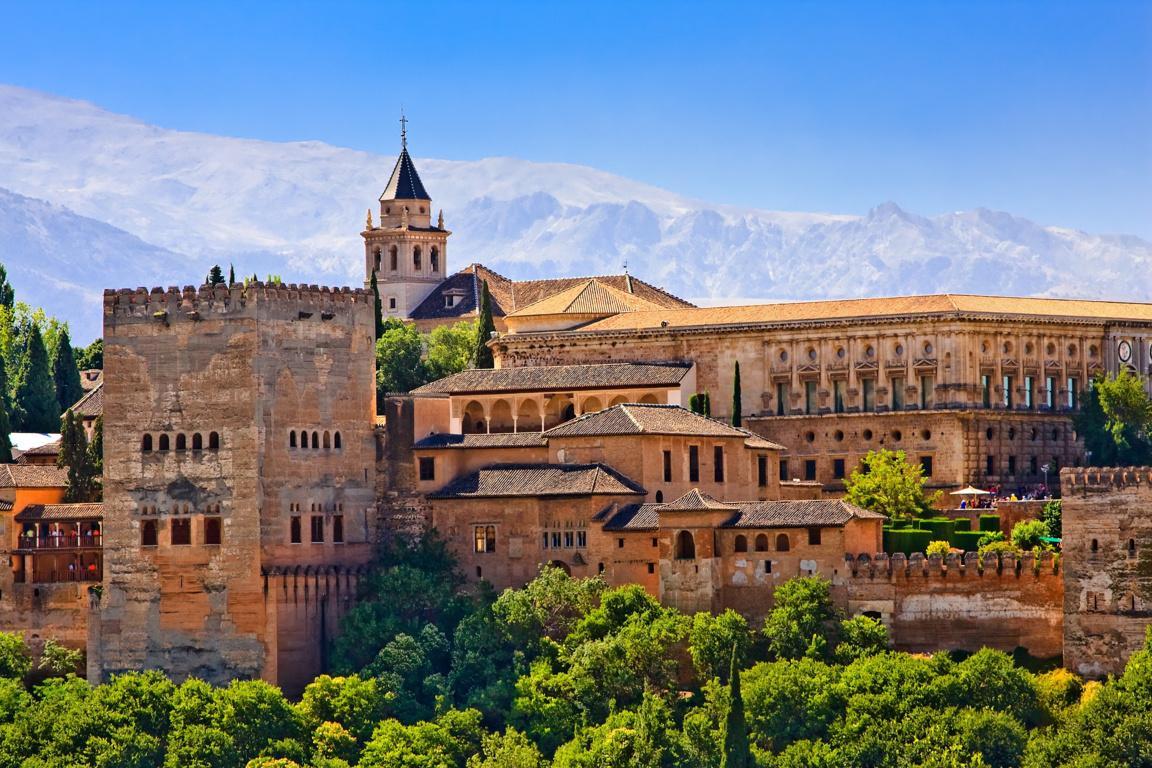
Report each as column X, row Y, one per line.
column 970, row 491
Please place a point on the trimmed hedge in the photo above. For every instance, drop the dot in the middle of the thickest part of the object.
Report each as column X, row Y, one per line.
column 907, row 540
column 969, row 541
column 941, row 526
column 990, row 523
column 961, row 524
column 901, row 524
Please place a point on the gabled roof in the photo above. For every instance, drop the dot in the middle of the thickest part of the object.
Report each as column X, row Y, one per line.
column 642, row 418
column 61, row 512
column 498, row 440
column 798, row 513
column 559, row 377
column 511, row 480
column 91, row 405
column 32, row 476
column 404, row 184
column 631, row 517
column 697, row 501
column 591, row 297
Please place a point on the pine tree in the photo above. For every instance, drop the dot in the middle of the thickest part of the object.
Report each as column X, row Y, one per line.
column 215, row 275
column 484, row 330
column 737, row 752
column 231, row 275
column 737, row 406
column 75, row 457
column 96, row 459
column 379, row 308
column 65, row 373
column 694, row 404
column 7, row 295
column 36, row 407
column 705, row 404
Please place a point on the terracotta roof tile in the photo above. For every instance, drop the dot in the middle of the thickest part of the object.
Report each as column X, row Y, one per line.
column 48, row 449
column 591, row 297
column 511, row 480
column 632, row 517
column 92, row 404
column 640, row 418
column 61, row 512
column 696, row 501
column 498, row 440
column 559, row 377
column 32, row 476
column 798, row 513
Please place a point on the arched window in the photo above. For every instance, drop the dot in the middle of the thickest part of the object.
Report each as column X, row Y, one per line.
column 336, row 440
column 163, row 443
column 685, row 546
column 181, row 442
column 213, row 441
column 148, row 536
column 568, row 413
column 741, row 544
column 393, row 258
column 146, row 444
column 376, row 260
column 1131, row 547
column 1095, row 545
column 416, row 260
column 327, row 440
column 434, row 259
column 303, row 439
column 294, row 530
column 782, row 544
column 197, row 442
column 315, row 441
column 291, row 438
column 659, row 497
column 762, row 542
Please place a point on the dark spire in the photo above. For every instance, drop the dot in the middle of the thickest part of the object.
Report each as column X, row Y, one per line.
column 405, row 183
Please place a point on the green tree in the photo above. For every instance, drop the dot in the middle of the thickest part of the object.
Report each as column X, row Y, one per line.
column 789, row 701
column 737, row 405
column 15, row 658
column 76, row 458
column 231, row 275
column 485, row 327
column 860, row 636
column 91, row 356
column 399, row 367
column 1115, row 421
column 887, row 483
column 712, row 639
column 378, row 307
column 7, row 294
column 215, row 276
column 96, row 457
column 800, row 620
column 357, row 704
column 65, row 374
column 737, row 752
column 1052, row 515
column 450, row 349
column 5, row 421
column 510, row 749
column 1027, row 534
column 35, row 401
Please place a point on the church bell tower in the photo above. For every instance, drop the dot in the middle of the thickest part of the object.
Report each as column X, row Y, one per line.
column 406, row 251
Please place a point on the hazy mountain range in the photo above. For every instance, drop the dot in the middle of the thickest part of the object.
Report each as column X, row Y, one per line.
column 90, row 199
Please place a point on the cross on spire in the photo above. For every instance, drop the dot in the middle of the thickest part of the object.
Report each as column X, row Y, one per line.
column 403, row 130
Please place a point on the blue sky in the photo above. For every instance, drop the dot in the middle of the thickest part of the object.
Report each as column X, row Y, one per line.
column 1043, row 109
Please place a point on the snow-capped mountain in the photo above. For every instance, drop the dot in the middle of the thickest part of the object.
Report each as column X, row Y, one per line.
column 119, row 203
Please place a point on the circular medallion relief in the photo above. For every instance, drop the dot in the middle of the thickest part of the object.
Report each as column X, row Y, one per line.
column 1124, row 350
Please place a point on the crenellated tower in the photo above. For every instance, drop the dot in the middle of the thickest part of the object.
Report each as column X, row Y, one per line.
column 406, row 251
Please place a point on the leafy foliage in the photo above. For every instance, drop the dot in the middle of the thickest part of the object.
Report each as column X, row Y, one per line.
column 1115, row 421
column 78, row 459
column 35, row 405
column 886, row 482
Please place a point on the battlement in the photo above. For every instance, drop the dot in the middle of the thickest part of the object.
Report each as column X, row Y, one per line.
column 1084, row 479
column 196, row 303
column 953, row 566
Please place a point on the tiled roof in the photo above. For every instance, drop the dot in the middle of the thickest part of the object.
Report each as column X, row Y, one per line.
column 799, row 513
column 559, row 377
column 498, row 440
column 632, row 517
column 91, row 405
column 61, row 512
column 508, row 480
column 510, row 295
column 757, row 441
column 639, row 418
column 696, row 501
column 5, row 506
column 863, row 309
column 32, row 476
column 591, row 297
column 404, row 184
column 48, row 449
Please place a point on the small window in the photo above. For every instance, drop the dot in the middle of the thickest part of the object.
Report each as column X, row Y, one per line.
column 782, row 543
column 303, row 439
column 163, row 442
column 544, row 543
column 1095, row 545
column 569, row 539
column 315, row 441
column 926, row 465
column 211, row 530
column 651, row 567
column 741, row 544
column 213, row 441
column 181, row 442
column 336, row 441
column 762, row 471
column 620, row 543
column 555, row 539
column 393, row 259
column 434, row 259
column 810, row 469
column 762, row 542
column 693, row 464
column 479, row 572
column 685, row 546
column 338, row 529
column 485, row 538
column 417, row 261
column 181, row 532
column 600, row 568
column 391, row 302
column 294, row 530
column 838, row 469
column 317, row 529
column 327, row 440
column 1131, row 547
column 767, row 566
column 718, row 463
column 581, row 539
column 659, row 497
column 427, row 468
column 197, row 442
column 292, row 439
column 667, row 464
column 148, row 536
column 783, row 470
column 814, row 537
column 146, row 444
column 990, row 465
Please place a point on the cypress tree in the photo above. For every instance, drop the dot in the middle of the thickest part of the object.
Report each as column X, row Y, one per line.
column 7, row 294
column 75, row 457
column 5, row 422
column 231, row 275
column 379, row 307
column 737, row 406
column 96, row 459
column 65, row 373
column 694, row 404
column 706, row 404
column 484, row 330
column 36, row 406
column 737, row 752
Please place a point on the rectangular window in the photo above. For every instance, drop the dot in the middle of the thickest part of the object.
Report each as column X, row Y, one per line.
column 427, row 468
column 148, row 536
column 990, row 466
column 569, row 539
column 1011, row 466
column 667, row 466
column 294, row 530
column 809, row 397
column 181, row 531
column 555, row 539
column 718, row 463
column 651, row 567
column 620, row 543
column 986, row 391
column 1073, row 392
column 338, row 529
column 838, row 389
column 1050, row 392
column 693, row 463
column 545, row 540
column 211, row 530
column 484, row 537
column 784, row 470
column 838, row 469
column 1033, row 465
column 869, row 388
column 927, row 392
column 391, row 302
column 810, row 469
column 783, row 395
column 581, row 539
column 898, row 393
column 1007, row 391
column 762, row 471
column 814, row 536
column 1029, row 392
column 767, row 566
column 926, row 465
column 317, row 529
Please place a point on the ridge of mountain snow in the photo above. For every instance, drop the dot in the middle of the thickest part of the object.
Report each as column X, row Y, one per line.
column 175, row 202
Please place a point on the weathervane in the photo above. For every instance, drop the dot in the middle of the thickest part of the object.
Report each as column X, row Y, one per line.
column 403, row 130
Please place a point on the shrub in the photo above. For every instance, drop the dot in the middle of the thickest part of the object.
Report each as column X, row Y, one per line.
column 1028, row 534
column 941, row 548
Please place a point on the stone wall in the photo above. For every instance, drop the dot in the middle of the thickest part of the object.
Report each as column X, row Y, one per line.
column 1107, row 567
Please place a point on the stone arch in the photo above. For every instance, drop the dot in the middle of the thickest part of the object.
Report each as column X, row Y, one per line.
column 561, row 565
column 197, row 442
column 475, row 420
column 213, row 441
column 528, row 415
column 568, row 412
column 591, row 405
column 315, row 440
column 762, row 542
column 327, row 440
column 434, row 259
column 303, row 439
column 376, row 255
column 782, row 542
column 291, row 438
column 500, row 416
column 740, row 544
column 394, row 258
column 685, row 546
column 181, row 442
column 146, row 444
column 659, row 497
column 336, row 440
column 417, row 258
column 163, row 443
column 618, row 400
column 649, row 398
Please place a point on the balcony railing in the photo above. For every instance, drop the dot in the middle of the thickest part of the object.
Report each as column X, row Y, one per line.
column 64, row 541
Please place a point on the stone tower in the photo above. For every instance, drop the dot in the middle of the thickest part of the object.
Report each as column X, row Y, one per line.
column 406, row 251
column 239, row 470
